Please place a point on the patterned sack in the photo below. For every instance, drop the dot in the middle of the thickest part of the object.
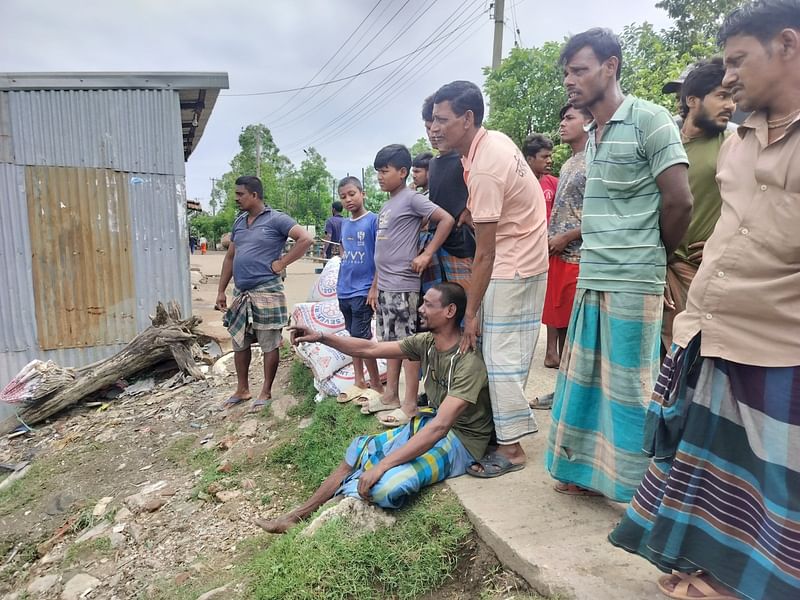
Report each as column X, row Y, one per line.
column 344, row 378
column 323, row 360
column 324, row 289
column 323, row 317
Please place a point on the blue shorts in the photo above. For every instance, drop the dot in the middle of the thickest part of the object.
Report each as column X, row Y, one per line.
column 357, row 317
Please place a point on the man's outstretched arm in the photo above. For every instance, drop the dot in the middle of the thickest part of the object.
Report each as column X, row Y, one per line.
column 348, row 345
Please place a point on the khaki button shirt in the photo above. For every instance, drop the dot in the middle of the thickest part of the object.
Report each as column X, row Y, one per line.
column 745, row 299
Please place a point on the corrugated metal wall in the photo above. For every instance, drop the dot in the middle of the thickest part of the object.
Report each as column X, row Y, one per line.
column 129, row 142
column 126, row 130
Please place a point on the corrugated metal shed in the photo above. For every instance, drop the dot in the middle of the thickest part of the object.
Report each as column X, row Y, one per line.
column 93, row 208
column 127, row 130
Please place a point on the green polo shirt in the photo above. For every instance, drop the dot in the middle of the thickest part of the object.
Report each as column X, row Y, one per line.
column 622, row 249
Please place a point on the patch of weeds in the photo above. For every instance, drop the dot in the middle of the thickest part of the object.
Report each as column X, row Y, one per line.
column 404, row 561
column 266, row 500
column 285, row 351
column 84, row 520
column 319, row 448
column 11, row 568
column 100, row 546
column 26, row 490
column 179, row 451
column 301, row 381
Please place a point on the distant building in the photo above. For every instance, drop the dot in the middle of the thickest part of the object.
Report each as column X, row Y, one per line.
column 93, row 207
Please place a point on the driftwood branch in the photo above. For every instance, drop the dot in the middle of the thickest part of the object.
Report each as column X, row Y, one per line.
column 169, row 336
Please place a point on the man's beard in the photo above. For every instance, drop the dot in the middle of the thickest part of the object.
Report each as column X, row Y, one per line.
column 708, row 125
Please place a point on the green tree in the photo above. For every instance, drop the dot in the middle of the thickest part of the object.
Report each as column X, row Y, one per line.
column 525, row 92
column 310, row 190
column 421, row 145
column 259, row 155
column 696, row 24
column 373, row 196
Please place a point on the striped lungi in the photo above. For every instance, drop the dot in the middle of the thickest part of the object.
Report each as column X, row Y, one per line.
column 444, row 267
column 447, row 458
column 263, row 307
column 722, row 493
column 511, row 316
column 607, row 373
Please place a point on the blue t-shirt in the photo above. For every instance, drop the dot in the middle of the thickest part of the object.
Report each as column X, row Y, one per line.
column 358, row 256
column 257, row 246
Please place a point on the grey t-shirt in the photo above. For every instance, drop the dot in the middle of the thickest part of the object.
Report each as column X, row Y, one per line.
column 397, row 243
column 257, row 246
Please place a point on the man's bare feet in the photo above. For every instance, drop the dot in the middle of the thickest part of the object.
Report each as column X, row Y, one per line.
column 280, row 525
column 693, row 585
column 552, row 361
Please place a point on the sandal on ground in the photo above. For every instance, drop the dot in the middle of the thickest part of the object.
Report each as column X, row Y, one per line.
column 681, row 588
column 350, row 393
column 570, row 489
column 376, row 404
column 367, row 396
column 544, row 402
column 396, row 418
column 233, row 401
column 259, row 404
column 493, row 464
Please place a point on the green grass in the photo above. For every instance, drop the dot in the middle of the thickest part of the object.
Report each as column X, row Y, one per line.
column 26, row 490
column 100, row 546
column 319, row 448
column 409, row 559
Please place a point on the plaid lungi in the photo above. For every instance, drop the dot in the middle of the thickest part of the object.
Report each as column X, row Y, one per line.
column 721, row 493
column 447, row 458
column 607, row 373
column 511, row 316
column 263, row 307
column 444, row 267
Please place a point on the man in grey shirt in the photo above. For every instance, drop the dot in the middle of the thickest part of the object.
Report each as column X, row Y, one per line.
column 255, row 261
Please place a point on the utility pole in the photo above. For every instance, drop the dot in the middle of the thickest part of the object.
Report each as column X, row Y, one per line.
column 497, row 54
column 258, row 154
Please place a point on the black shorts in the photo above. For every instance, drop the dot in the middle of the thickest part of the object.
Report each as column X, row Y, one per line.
column 357, row 317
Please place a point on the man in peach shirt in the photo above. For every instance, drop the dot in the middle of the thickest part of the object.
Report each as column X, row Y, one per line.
column 509, row 272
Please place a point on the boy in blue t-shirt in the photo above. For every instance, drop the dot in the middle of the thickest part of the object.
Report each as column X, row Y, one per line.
column 354, row 288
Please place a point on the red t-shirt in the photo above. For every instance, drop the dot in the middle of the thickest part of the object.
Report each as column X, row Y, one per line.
column 549, row 186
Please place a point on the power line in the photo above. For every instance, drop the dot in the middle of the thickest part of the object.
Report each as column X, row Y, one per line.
column 368, row 104
column 375, row 37
column 321, row 69
column 402, row 29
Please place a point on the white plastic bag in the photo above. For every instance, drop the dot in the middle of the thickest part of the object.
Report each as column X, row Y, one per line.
column 323, row 360
column 322, row 317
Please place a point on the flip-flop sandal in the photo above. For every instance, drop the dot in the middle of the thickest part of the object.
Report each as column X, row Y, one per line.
column 680, row 591
column 351, row 393
column 233, row 401
column 374, row 405
column 259, row 405
column 544, row 402
column 399, row 418
column 570, row 489
column 367, row 396
column 493, row 465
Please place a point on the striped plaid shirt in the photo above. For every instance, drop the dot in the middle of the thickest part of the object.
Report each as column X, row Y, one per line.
column 622, row 249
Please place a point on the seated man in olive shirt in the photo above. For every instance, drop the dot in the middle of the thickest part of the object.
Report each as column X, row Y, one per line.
column 440, row 443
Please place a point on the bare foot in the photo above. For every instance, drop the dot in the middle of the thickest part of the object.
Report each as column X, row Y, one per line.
column 570, row 489
column 694, row 585
column 279, row 525
column 551, row 361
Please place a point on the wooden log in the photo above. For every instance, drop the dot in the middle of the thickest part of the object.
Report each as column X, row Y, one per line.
column 169, row 336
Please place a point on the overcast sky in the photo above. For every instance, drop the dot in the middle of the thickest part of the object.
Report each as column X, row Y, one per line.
column 267, row 46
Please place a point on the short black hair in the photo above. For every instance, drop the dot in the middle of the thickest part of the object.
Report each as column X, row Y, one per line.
column 422, row 160
column 762, row 19
column 350, row 180
column 393, row 155
column 453, row 293
column 584, row 111
column 337, row 206
column 603, row 42
column 252, row 185
column 427, row 109
column 463, row 96
column 535, row 143
column 706, row 76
